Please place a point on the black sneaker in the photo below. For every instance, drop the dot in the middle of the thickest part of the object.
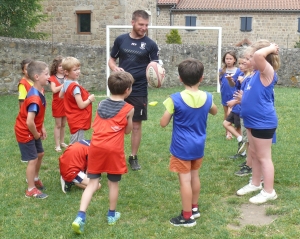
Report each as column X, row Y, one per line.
column 134, row 164
column 242, row 164
column 237, row 156
column 180, row 221
column 241, row 147
column 245, row 170
column 195, row 213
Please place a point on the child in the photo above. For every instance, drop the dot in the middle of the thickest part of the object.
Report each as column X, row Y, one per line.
column 229, row 70
column 260, row 119
column 30, row 130
column 189, row 110
column 73, row 164
column 77, row 100
column 234, row 115
column 58, row 110
column 106, row 153
column 25, row 83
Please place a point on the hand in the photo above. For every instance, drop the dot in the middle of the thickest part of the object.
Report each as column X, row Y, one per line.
column 43, row 134
column 238, row 95
column 276, row 48
column 91, row 97
column 118, row 69
column 37, row 136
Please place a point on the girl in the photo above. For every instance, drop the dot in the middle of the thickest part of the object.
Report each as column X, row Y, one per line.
column 260, row 119
column 228, row 72
column 58, row 111
column 25, row 83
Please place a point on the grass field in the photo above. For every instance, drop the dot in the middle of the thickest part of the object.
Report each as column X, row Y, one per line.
column 150, row 197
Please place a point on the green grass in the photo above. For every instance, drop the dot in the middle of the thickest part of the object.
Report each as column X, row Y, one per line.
column 148, row 198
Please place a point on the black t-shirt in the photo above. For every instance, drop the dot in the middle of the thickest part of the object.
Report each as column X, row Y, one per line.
column 134, row 56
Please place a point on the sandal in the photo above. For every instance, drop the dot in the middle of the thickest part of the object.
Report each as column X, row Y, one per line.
column 64, row 145
column 57, row 149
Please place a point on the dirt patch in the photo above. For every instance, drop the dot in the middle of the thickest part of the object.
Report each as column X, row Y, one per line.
column 252, row 214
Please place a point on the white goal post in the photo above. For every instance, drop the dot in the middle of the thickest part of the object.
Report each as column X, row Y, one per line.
column 108, row 27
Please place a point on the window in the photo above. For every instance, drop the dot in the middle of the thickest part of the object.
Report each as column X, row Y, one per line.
column 84, row 22
column 190, row 21
column 299, row 25
column 246, row 24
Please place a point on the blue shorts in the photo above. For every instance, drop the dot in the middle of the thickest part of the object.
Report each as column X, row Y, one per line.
column 31, row 149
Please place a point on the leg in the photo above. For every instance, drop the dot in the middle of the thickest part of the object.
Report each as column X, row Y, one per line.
column 186, row 192
column 228, row 126
column 57, row 132
column 196, row 186
column 31, row 172
column 113, row 194
column 62, row 129
column 38, row 164
column 85, row 182
column 136, row 137
column 88, row 194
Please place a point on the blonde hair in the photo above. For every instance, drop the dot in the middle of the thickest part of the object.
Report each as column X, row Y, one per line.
column 273, row 59
column 69, row 62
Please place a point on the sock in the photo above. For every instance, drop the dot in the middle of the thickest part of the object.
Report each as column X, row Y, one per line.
column 244, row 153
column 195, row 206
column 111, row 213
column 81, row 214
column 187, row 215
column 239, row 138
column 36, row 179
column 29, row 189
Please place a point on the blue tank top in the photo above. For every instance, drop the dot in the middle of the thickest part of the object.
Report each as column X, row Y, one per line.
column 189, row 128
column 258, row 109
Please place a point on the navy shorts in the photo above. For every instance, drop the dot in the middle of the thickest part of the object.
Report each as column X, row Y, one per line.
column 31, row 149
column 234, row 119
column 111, row 177
column 263, row 133
column 140, row 107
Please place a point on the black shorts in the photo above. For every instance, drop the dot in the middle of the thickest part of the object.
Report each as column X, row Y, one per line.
column 111, row 177
column 31, row 149
column 140, row 107
column 234, row 119
column 263, row 133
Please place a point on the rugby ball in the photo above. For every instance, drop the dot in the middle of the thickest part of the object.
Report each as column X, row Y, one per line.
column 155, row 74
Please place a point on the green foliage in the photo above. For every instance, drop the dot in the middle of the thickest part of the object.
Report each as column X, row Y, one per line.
column 173, row 37
column 297, row 44
column 18, row 18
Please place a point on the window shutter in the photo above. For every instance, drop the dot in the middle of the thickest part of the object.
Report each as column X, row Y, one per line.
column 193, row 21
column 249, row 24
column 243, row 24
column 298, row 24
column 188, row 21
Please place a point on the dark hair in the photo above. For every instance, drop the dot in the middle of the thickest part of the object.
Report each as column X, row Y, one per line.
column 25, row 62
column 119, row 81
column 55, row 63
column 140, row 13
column 190, row 71
column 35, row 67
column 233, row 54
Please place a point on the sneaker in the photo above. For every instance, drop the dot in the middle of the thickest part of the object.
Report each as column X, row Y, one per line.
column 57, row 149
column 195, row 213
column 245, row 170
column 35, row 193
column 65, row 186
column 248, row 189
column 242, row 164
column 39, row 185
column 237, row 156
column 263, row 197
column 112, row 220
column 180, row 221
column 241, row 147
column 78, row 225
column 134, row 164
column 64, row 145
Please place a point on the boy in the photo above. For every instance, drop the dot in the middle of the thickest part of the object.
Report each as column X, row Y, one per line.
column 73, row 164
column 77, row 100
column 106, row 152
column 189, row 110
column 30, row 130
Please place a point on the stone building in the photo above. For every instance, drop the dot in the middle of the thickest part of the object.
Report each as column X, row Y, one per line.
column 84, row 21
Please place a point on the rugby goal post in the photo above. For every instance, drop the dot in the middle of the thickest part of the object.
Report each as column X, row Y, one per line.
column 108, row 27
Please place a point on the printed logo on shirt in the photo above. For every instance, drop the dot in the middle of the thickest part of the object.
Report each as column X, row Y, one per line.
column 143, row 45
column 116, row 128
column 133, row 44
column 248, row 87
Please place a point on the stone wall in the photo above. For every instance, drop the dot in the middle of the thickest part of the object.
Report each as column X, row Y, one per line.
column 93, row 59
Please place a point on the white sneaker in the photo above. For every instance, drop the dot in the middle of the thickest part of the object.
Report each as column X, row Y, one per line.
column 263, row 197
column 248, row 189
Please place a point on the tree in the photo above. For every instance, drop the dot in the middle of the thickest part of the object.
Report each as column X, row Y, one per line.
column 173, row 37
column 18, row 18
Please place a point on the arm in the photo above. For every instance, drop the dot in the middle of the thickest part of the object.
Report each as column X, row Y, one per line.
column 83, row 104
column 31, row 125
column 213, row 110
column 129, row 121
column 112, row 63
column 43, row 133
column 230, row 80
column 232, row 103
column 262, row 64
column 165, row 119
column 55, row 88
column 61, row 92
